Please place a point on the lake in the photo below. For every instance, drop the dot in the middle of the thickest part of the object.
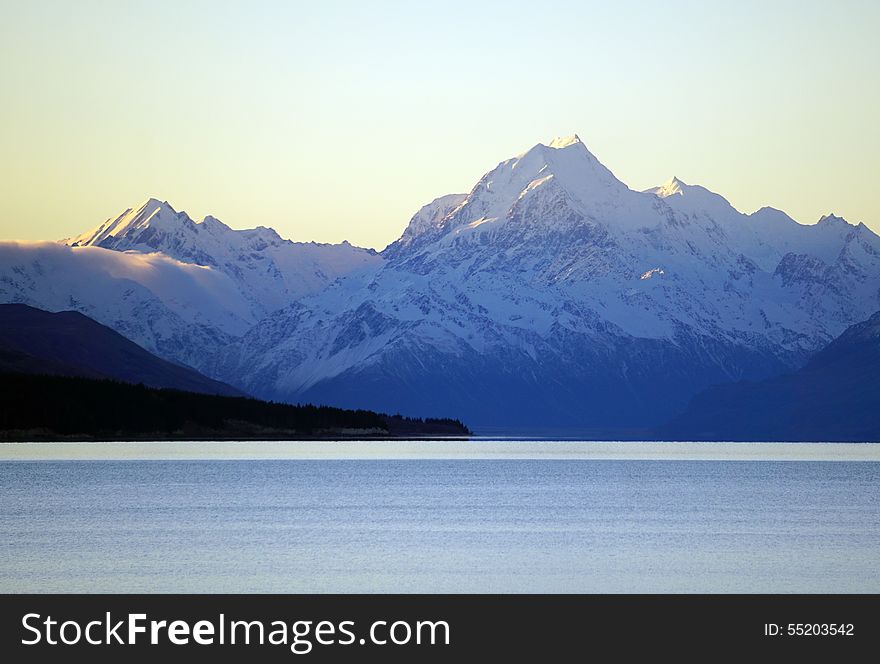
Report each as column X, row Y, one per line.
column 480, row 516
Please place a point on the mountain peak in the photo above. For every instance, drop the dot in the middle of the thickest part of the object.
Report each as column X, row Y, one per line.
column 152, row 204
column 133, row 217
column 561, row 142
column 693, row 199
column 565, row 163
column 152, row 208
column 832, row 219
column 672, row 187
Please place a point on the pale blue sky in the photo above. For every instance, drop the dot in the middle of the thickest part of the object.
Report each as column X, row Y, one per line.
column 337, row 120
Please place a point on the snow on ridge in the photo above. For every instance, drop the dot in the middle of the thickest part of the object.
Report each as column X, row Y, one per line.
column 672, row 187
column 131, row 218
column 269, row 270
column 429, row 217
column 561, row 142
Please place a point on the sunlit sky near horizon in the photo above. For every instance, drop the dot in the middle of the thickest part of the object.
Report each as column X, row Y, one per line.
column 338, row 120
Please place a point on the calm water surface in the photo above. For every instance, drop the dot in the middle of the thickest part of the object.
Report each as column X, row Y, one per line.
column 439, row 525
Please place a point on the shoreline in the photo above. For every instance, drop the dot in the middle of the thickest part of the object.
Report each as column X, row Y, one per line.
column 436, row 449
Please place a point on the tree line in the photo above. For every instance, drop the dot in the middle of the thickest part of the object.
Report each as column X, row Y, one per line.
column 37, row 406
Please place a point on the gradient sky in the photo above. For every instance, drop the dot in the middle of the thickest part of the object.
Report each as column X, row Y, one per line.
column 337, row 120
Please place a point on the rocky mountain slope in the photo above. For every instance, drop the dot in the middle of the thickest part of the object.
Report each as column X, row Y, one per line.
column 835, row 397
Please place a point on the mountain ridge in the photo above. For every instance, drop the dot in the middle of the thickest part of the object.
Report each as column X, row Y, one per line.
column 550, row 292
column 522, row 272
column 268, row 269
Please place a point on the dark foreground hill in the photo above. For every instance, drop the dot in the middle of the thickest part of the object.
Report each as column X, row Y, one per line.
column 835, row 397
column 74, row 408
column 69, row 343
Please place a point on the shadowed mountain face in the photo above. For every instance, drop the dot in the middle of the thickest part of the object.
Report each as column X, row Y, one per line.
column 835, row 397
column 71, row 344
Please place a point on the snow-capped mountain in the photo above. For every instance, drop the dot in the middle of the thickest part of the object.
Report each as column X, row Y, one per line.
column 269, row 270
column 183, row 289
column 180, row 311
column 553, row 295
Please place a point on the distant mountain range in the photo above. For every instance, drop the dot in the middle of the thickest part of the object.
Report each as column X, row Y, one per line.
column 266, row 270
column 550, row 296
column 835, row 397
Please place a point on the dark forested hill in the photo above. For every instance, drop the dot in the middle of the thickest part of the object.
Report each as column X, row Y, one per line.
column 73, row 408
column 835, row 397
column 71, row 344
